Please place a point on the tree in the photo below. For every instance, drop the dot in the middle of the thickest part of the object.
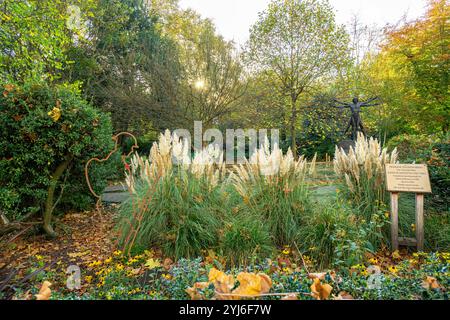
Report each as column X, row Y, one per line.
column 423, row 50
column 410, row 73
column 301, row 44
column 33, row 37
column 128, row 67
column 212, row 75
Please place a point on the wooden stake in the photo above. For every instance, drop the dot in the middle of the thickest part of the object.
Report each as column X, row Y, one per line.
column 394, row 220
column 419, row 221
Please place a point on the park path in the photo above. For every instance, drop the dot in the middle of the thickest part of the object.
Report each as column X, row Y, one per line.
column 115, row 194
column 323, row 185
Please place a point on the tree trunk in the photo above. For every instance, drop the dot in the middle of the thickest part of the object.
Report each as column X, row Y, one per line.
column 292, row 125
column 47, row 226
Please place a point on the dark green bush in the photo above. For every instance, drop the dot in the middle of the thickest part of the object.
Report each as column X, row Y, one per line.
column 183, row 217
column 435, row 152
column 245, row 237
column 335, row 235
column 46, row 136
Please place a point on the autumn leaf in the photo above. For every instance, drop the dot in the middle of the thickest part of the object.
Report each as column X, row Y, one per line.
column 78, row 254
column 44, row 292
column 193, row 291
column 320, row 291
column 167, row 263
column 18, row 117
column 152, row 264
column 320, row 275
column 430, row 283
column 222, row 282
column 396, row 255
column 344, row 295
column 55, row 114
column 8, row 89
column 251, row 284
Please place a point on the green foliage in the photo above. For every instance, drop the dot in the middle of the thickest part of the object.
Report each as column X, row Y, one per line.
column 280, row 209
column 335, row 235
column 35, row 36
column 409, row 282
column 437, row 232
column 41, row 128
column 277, row 45
column 183, row 216
column 322, row 126
column 245, row 237
column 128, row 67
column 435, row 152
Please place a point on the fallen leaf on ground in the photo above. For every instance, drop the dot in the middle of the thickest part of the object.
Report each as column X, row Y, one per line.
column 251, row 284
column 152, row 264
column 222, row 282
column 396, row 255
column 344, row 295
column 193, row 291
column 167, row 264
column 320, row 291
column 430, row 283
column 44, row 292
column 319, row 275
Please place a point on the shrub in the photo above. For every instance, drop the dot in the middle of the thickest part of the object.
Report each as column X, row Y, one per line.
column 434, row 151
column 46, row 134
column 272, row 188
column 177, row 207
column 411, row 147
column 364, row 171
column 335, row 235
column 245, row 238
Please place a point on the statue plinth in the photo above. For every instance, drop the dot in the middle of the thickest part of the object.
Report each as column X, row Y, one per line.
column 345, row 145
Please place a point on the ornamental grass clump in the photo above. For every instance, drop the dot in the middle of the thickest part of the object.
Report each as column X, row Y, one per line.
column 176, row 202
column 363, row 172
column 273, row 190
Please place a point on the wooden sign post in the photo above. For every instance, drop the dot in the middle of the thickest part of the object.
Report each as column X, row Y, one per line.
column 407, row 178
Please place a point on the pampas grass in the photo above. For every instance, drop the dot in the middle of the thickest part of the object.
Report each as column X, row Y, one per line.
column 175, row 201
column 363, row 171
column 272, row 189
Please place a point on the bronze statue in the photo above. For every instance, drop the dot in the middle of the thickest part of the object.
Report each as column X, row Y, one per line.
column 355, row 121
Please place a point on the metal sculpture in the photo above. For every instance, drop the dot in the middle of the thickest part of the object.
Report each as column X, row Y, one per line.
column 116, row 147
column 355, row 122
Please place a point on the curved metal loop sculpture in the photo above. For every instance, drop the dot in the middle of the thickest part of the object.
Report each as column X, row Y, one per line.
column 115, row 138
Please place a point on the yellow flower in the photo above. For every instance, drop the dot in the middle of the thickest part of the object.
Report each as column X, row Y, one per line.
column 94, row 264
column 88, row 279
column 119, row 267
column 364, row 273
column 393, row 269
column 286, row 251
column 373, row 261
column 413, row 227
column 167, row 276
column 117, row 253
column 55, row 114
column 108, row 260
column 132, row 261
column 39, row 257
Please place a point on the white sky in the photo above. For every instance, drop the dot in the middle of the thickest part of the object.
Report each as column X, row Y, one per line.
column 233, row 18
